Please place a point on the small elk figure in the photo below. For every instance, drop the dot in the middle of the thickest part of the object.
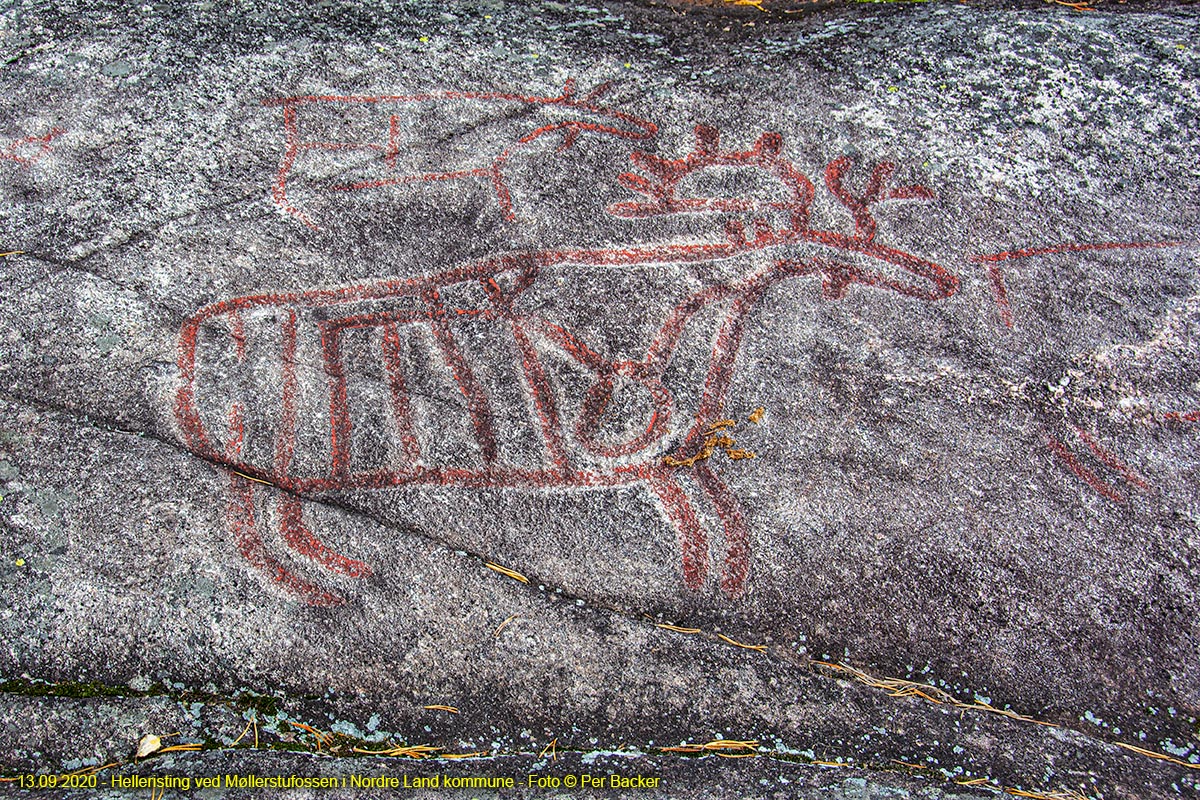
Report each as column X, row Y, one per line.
column 447, row 320
column 568, row 113
column 29, row 150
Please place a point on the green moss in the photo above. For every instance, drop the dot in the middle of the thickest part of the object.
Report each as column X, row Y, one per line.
column 265, row 705
column 36, row 688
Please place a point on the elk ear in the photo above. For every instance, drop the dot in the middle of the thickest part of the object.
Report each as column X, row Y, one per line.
column 655, row 165
column 769, row 144
column 595, row 94
column 638, row 183
column 708, row 140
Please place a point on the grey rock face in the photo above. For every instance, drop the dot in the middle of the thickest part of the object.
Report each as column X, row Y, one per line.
column 824, row 385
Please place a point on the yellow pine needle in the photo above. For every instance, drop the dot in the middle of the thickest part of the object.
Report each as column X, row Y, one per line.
column 896, row 687
column 1044, row 795
column 251, row 478
column 731, row 744
column 450, row 709
column 719, row 425
column 675, row 628
column 504, row 624
column 404, row 751
column 761, row 648
column 244, row 732
column 464, row 755
column 182, row 748
column 1159, row 756
column 1004, row 712
column 322, row 738
column 552, row 748
column 93, row 770
column 6, row 255
column 516, row 576
column 752, row 3
column 713, row 746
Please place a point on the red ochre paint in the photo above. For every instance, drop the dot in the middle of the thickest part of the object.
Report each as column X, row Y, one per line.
column 634, row 460
column 1105, row 457
column 996, row 276
column 1110, row 460
column 16, row 150
column 586, row 115
column 1072, row 462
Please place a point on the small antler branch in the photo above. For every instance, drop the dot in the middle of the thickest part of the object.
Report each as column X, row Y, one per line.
column 875, row 191
column 660, row 179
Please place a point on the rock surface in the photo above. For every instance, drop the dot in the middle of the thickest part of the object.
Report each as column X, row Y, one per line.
column 821, row 385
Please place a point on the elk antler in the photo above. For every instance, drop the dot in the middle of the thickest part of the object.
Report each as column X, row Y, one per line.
column 873, row 192
column 660, row 183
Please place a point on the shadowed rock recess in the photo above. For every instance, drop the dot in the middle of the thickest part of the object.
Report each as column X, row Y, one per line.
column 742, row 401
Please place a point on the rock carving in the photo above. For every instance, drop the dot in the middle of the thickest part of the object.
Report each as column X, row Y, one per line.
column 435, row 318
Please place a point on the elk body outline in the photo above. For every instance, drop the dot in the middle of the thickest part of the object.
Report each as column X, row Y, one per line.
column 593, row 117
column 19, row 150
column 635, row 460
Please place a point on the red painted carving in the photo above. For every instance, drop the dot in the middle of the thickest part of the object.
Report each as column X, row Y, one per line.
column 996, row 277
column 29, row 150
column 582, row 114
column 655, row 450
column 576, row 453
column 1067, row 456
column 1104, row 457
column 662, row 197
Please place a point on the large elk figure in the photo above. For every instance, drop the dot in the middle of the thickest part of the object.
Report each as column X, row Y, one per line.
column 441, row 319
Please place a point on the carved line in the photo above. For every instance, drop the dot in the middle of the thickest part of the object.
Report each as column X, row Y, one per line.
column 637, row 129
column 996, row 277
column 742, row 297
column 10, row 153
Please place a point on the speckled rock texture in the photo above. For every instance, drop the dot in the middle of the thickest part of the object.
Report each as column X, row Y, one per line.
column 559, row 384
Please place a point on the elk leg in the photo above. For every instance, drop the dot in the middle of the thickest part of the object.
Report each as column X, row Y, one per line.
column 301, row 539
column 243, row 524
column 737, row 550
column 692, row 539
